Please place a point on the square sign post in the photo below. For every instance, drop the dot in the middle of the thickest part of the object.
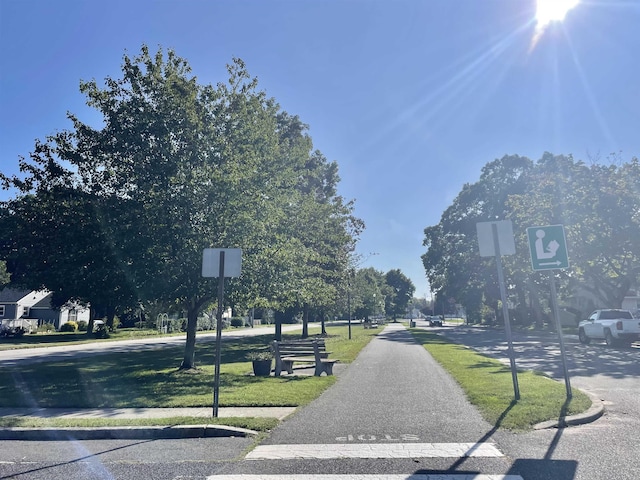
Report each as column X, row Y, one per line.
column 496, row 239
column 220, row 263
column 548, row 249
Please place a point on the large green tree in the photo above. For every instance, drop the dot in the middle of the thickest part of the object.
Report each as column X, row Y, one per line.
column 399, row 292
column 452, row 263
column 367, row 293
column 177, row 167
column 597, row 204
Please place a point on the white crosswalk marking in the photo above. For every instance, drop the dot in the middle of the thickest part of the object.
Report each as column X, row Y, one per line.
column 372, row 450
column 437, row 476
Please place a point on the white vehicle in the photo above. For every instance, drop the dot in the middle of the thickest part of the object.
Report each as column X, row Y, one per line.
column 612, row 325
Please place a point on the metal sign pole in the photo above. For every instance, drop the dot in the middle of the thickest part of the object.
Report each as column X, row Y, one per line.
column 554, row 301
column 216, row 380
column 548, row 249
column 505, row 312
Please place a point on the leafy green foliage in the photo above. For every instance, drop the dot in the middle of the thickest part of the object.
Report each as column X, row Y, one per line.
column 70, row 326
column 122, row 213
column 4, row 274
column 399, row 292
column 598, row 206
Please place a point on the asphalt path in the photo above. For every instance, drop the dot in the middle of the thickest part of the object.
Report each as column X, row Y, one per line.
column 394, row 394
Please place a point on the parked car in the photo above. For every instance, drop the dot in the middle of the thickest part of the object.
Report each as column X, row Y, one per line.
column 612, row 325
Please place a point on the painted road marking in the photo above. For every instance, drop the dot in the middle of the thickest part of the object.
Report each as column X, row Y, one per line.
column 437, row 476
column 373, row 450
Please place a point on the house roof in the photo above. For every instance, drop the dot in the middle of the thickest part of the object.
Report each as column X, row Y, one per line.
column 13, row 295
column 45, row 302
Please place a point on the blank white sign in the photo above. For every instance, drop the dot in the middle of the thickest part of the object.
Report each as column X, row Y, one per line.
column 505, row 238
column 211, row 262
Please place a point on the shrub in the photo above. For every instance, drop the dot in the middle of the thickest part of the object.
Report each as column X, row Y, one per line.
column 205, row 323
column 69, row 326
column 116, row 324
column 46, row 327
column 237, row 322
column 82, row 325
column 260, row 355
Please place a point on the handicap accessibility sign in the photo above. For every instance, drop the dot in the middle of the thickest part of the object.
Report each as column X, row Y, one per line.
column 548, row 247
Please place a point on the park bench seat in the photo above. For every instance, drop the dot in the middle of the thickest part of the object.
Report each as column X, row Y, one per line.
column 309, row 351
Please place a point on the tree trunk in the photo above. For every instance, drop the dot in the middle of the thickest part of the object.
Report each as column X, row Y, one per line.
column 278, row 335
column 535, row 305
column 323, row 329
column 111, row 313
column 92, row 313
column 188, row 362
column 277, row 319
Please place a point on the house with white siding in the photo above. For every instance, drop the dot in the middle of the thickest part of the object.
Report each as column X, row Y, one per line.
column 33, row 308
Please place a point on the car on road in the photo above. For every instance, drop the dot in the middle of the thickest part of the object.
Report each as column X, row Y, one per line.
column 435, row 321
column 614, row 326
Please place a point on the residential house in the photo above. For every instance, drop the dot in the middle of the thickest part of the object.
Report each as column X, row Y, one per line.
column 35, row 307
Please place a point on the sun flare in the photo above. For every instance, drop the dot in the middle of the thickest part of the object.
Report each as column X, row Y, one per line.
column 548, row 11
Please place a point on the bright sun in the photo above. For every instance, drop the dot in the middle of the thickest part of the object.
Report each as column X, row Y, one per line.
column 553, row 10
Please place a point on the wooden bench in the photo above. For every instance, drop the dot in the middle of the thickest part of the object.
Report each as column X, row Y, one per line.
column 312, row 351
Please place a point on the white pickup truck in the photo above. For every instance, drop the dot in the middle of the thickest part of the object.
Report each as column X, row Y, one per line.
column 612, row 325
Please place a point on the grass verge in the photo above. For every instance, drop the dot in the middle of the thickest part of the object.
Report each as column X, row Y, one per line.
column 488, row 385
column 151, row 379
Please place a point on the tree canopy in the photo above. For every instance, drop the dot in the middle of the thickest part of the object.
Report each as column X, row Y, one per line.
column 598, row 205
column 177, row 167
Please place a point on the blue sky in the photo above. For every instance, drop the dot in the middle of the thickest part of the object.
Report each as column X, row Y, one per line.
column 411, row 98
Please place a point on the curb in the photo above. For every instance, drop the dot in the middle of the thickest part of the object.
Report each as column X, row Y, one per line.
column 592, row 414
column 125, row 433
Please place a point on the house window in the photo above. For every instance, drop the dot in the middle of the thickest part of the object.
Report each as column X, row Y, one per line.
column 25, row 312
column 73, row 315
column 1, row 310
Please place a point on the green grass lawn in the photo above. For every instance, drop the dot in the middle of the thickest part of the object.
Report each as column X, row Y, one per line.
column 152, row 379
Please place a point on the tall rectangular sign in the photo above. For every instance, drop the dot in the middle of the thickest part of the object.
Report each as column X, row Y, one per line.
column 548, row 247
